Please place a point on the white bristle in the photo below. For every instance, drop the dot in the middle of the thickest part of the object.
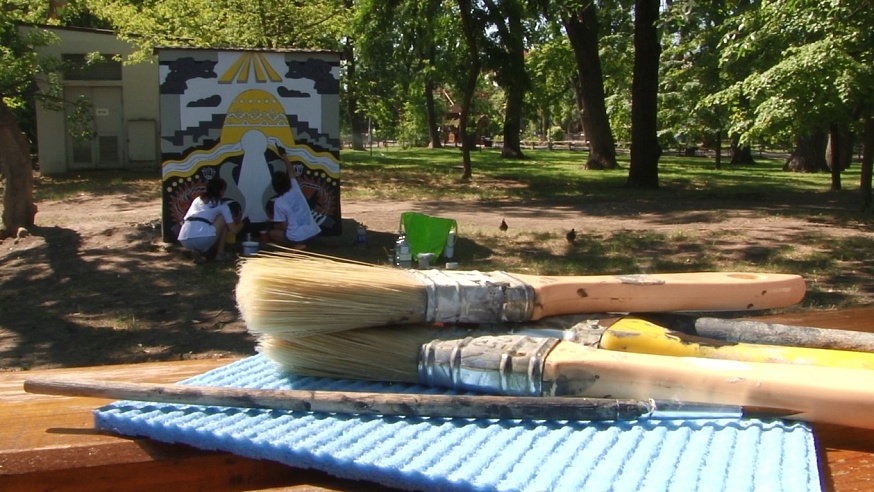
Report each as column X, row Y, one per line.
column 368, row 353
column 384, row 353
column 292, row 294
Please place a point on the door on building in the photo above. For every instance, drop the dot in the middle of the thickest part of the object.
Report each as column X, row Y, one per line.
column 105, row 150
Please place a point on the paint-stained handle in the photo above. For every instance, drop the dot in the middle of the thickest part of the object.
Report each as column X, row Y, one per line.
column 818, row 394
column 752, row 331
column 643, row 337
column 695, row 291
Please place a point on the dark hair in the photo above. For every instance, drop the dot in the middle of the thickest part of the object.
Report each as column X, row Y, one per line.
column 281, row 182
column 215, row 188
column 234, row 207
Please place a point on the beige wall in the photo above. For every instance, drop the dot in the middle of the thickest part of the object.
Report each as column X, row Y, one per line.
column 139, row 87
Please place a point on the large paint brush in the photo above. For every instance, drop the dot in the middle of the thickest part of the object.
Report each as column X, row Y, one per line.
column 298, row 294
column 533, row 366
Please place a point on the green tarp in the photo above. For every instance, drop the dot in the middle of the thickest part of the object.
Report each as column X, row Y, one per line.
column 426, row 234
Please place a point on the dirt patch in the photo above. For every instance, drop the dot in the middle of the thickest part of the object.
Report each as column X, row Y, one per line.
column 94, row 284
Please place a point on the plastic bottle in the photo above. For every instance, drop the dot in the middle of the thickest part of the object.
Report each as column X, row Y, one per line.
column 361, row 237
column 449, row 250
column 402, row 252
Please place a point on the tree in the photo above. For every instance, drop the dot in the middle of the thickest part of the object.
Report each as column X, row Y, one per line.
column 813, row 73
column 691, row 71
column 582, row 27
column 645, row 149
column 504, row 55
column 552, row 68
column 403, row 70
column 19, row 67
column 867, row 168
column 470, row 29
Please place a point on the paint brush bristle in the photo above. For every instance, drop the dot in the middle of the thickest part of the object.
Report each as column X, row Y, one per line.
column 385, row 353
column 292, row 294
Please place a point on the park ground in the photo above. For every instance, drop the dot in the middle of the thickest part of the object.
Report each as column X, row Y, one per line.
column 93, row 282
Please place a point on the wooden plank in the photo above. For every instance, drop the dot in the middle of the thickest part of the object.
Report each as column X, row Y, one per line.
column 49, row 443
column 846, row 454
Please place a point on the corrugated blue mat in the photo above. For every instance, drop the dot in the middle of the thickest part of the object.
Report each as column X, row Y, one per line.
column 483, row 455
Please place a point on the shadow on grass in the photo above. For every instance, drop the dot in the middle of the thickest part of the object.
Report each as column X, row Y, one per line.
column 71, row 307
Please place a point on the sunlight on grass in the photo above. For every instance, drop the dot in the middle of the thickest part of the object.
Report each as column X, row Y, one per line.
column 144, row 186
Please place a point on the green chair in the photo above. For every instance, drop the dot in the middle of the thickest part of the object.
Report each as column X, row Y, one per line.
column 427, row 234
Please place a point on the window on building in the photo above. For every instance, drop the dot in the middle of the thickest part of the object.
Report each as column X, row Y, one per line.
column 78, row 68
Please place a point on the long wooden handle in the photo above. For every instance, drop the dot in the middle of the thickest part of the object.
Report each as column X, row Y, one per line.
column 357, row 403
column 643, row 337
column 760, row 332
column 819, row 394
column 695, row 291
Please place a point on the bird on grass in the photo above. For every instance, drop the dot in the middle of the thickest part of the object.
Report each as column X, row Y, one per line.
column 503, row 227
column 571, row 236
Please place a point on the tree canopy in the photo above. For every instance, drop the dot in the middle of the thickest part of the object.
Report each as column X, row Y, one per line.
column 646, row 74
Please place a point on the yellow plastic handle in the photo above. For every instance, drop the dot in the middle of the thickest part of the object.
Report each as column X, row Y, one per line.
column 642, row 337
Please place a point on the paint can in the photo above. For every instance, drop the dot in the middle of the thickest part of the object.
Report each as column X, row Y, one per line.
column 425, row 260
column 250, row 248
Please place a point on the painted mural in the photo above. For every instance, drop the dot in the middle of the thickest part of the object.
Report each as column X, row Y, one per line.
column 228, row 114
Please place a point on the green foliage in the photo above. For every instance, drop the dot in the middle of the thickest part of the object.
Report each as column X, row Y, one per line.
column 412, row 127
column 552, row 69
column 808, row 66
column 306, row 24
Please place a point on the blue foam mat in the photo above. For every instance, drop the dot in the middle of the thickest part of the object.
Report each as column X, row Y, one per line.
column 481, row 455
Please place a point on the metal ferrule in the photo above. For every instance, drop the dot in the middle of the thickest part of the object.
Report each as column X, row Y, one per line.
column 475, row 297
column 503, row 365
column 666, row 410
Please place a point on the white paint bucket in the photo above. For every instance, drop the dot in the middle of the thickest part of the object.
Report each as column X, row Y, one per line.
column 250, row 248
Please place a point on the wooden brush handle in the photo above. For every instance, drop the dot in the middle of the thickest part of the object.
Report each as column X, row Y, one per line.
column 365, row 403
column 696, row 291
column 818, row 394
column 643, row 337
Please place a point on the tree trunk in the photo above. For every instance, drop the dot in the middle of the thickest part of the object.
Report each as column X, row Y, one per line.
column 645, row 149
column 809, row 153
column 717, row 145
column 17, row 170
column 431, row 114
column 835, row 162
column 512, row 148
column 840, row 147
column 740, row 154
column 582, row 31
column 466, row 13
column 507, row 60
column 356, row 121
column 867, row 162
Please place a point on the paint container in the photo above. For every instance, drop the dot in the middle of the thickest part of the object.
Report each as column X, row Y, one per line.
column 425, row 260
column 250, row 247
column 449, row 250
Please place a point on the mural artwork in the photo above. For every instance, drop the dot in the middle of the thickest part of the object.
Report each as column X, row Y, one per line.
column 228, row 114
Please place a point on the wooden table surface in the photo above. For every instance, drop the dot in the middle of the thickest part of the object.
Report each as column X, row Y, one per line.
column 49, row 442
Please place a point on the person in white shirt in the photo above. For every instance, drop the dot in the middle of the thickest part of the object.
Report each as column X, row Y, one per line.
column 293, row 222
column 208, row 222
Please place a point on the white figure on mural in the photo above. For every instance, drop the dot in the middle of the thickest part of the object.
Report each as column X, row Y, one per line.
column 254, row 175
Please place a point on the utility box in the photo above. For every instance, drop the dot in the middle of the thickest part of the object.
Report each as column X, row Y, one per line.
column 227, row 113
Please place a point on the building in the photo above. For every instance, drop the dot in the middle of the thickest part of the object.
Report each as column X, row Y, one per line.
column 125, row 105
column 199, row 113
